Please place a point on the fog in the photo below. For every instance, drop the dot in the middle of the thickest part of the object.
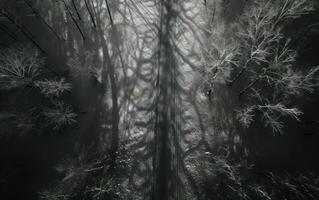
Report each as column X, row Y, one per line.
column 142, row 100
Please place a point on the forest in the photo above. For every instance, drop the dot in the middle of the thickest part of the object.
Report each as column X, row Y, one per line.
column 159, row 99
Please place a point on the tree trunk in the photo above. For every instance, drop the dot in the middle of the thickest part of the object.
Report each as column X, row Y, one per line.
column 115, row 107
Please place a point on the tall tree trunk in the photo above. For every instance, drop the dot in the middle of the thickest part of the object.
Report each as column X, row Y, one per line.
column 164, row 130
column 115, row 107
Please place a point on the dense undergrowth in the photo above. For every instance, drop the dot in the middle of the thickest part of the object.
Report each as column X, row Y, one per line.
column 223, row 177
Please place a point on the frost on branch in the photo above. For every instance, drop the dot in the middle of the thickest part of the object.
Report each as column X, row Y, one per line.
column 245, row 116
column 294, row 9
column 271, row 114
column 283, row 110
column 19, row 67
column 254, row 54
column 60, row 116
column 219, row 54
column 53, row 88
column 295, row 83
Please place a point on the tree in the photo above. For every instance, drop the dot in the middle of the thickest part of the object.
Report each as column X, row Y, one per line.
column 260, row 60
column 91, row 52
column 21, row 72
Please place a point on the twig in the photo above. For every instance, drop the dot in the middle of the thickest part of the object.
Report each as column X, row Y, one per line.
column 73, row 19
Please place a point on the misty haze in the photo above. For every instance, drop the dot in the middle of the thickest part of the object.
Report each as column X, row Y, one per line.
column 159, row 99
